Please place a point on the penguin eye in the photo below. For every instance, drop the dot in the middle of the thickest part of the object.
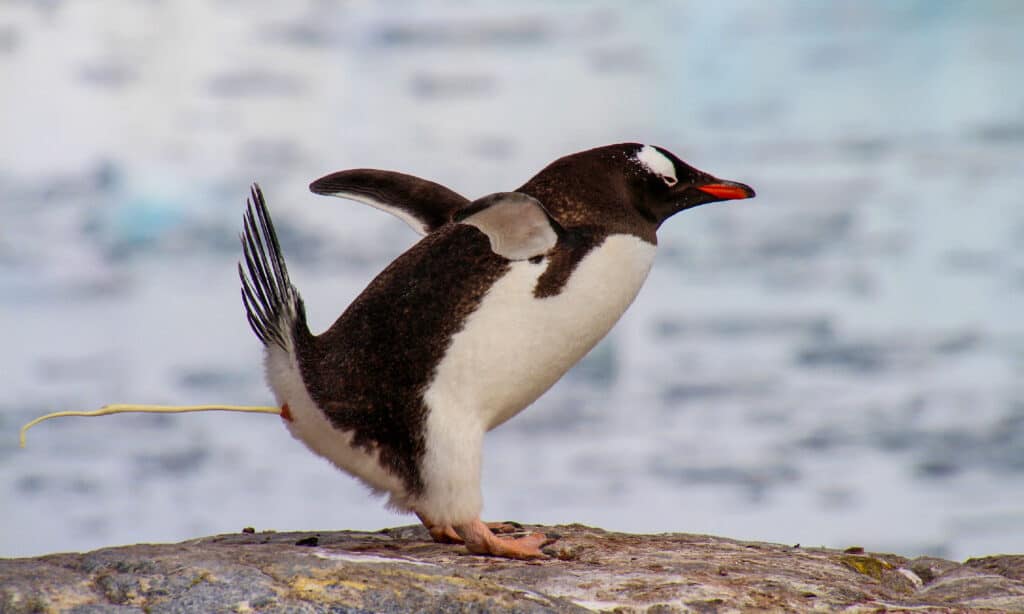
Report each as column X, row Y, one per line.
column 669, row 181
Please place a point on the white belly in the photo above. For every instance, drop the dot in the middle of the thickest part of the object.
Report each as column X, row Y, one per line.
column 515, row 346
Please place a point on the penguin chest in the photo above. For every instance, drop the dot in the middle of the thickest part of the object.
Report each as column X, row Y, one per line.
column 515, row 346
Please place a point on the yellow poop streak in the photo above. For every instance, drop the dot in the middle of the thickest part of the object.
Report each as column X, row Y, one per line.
column 122, row 408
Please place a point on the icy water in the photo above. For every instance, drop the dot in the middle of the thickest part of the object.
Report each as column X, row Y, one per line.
column 837, row 362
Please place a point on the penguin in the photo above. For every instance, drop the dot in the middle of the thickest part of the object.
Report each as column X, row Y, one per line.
column 500, row 297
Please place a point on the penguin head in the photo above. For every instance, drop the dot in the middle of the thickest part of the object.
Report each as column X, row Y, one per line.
column 627, row 187
column 665, row 185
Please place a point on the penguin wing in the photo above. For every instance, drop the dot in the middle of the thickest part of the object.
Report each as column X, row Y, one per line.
column 517, row 225
column 423, row 205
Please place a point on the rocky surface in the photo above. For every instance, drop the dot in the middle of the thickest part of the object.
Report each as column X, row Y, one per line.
column 398, row 570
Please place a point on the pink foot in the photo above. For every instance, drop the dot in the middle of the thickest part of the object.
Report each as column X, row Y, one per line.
column 480, row 540
column 445, row 534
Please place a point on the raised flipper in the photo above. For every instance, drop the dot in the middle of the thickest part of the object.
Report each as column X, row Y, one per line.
column 423, row 205
column 517, row 225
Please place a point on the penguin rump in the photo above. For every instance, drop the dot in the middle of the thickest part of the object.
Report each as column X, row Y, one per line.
column 500, row 297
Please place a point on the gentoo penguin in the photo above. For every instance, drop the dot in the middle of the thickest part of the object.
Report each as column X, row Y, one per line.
column 491, row 307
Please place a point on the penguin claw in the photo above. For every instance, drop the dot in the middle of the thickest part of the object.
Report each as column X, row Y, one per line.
column 504, row 527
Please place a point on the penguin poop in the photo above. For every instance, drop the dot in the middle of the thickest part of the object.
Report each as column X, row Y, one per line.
column 473, row 323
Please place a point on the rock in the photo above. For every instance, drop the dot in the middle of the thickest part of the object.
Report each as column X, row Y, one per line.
column 399, row 570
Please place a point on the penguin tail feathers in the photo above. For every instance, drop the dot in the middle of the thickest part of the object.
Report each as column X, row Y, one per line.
column 272, row 304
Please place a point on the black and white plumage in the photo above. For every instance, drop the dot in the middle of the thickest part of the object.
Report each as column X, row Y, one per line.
column 470, row 325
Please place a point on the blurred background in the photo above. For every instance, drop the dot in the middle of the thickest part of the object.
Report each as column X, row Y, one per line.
column 837, row 362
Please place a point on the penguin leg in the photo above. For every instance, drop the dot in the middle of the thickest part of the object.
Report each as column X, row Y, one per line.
column 504, row 526
column 480, row 540
column 450, row 469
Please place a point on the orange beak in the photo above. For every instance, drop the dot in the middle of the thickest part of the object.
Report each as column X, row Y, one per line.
column 727, row 190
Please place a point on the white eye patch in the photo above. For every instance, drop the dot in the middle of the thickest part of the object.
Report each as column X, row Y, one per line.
column 657, row 163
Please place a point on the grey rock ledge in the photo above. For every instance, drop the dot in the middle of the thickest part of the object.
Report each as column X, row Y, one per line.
column 399, row 570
